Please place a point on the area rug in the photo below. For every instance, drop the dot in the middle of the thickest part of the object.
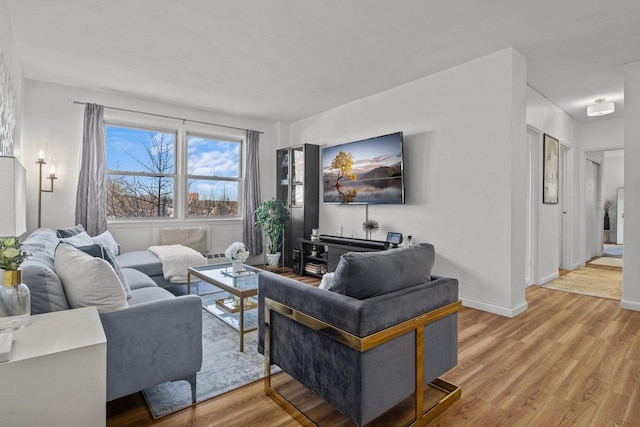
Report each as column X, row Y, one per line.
column 224, row 368
column 607, row 261
column 591, row 281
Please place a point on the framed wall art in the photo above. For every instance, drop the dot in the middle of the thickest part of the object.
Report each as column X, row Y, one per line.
column 550, row 165
column 8, row 101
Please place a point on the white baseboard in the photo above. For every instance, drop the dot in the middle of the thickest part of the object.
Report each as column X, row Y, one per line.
column 547, row 279
column 495, row 309
column 630, row 305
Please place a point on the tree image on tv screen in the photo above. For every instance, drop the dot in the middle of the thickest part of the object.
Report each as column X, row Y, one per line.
column 343, row 164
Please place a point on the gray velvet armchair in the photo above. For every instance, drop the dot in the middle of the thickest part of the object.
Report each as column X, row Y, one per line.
column 385, row 331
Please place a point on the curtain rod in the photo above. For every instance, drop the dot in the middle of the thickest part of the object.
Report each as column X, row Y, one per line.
column 168, row 117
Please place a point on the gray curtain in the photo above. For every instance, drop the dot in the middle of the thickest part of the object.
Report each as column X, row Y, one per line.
column 91, row 198
column 251, row 234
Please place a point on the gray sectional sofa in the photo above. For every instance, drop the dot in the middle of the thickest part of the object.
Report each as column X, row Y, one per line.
column 155, row 339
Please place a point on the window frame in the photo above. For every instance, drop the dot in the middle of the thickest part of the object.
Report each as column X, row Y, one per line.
column 180, row 175
column 187, row 176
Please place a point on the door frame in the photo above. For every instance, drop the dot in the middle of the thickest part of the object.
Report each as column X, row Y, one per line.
column 534, row 139
column 598, row 232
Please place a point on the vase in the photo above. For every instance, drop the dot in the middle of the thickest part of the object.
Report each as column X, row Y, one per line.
column 236, row 266
column 15, row 301
column 273, row 259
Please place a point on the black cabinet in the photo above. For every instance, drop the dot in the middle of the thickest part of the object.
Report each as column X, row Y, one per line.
column 298, row 186
column 320, row 257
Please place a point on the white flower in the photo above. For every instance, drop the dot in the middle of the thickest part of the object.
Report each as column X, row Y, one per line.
column 237, row 252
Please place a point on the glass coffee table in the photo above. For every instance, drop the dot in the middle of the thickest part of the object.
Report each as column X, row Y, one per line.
column 240, row 286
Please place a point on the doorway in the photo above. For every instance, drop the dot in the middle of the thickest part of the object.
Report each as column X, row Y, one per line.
column 592, row 210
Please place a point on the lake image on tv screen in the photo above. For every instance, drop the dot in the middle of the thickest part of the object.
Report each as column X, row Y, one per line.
column 368, row 171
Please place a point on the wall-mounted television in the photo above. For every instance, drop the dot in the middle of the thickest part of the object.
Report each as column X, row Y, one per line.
column 369, row 171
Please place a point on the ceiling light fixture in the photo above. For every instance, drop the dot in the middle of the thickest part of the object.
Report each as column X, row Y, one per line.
column 600, row 108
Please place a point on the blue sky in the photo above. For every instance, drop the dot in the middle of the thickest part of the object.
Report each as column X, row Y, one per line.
column 206, row 157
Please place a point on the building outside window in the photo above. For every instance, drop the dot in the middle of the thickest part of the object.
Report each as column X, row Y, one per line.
column 145, row 178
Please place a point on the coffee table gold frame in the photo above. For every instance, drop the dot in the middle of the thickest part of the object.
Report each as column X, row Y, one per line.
column 227, row 304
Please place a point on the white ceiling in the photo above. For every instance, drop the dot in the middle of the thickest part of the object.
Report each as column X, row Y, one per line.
column 289, row 59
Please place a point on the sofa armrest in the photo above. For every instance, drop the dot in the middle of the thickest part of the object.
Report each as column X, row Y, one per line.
column 151, row 343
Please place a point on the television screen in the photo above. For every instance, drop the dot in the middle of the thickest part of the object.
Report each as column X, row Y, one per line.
column 365, row 172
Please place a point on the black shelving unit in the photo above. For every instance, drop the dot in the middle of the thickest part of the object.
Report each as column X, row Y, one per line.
column 328, row 254
column 298, row 186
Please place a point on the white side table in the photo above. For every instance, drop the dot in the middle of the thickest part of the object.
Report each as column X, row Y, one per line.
column 57, row 374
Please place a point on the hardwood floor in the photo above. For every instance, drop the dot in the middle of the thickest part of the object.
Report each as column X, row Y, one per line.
column 569, row 360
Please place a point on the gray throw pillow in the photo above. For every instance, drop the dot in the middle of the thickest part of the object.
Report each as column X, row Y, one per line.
column 71, row 231
column 106, row 239
column 367, row 274
column 80, row 239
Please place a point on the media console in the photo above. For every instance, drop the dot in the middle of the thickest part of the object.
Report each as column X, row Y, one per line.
column 318, row 257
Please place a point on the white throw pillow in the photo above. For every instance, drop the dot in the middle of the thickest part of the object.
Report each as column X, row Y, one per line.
column 325, row 283
column 88, row 281
column 106, row 239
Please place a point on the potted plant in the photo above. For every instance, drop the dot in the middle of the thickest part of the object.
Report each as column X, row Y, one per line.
column 370, row 226
column 272, row 216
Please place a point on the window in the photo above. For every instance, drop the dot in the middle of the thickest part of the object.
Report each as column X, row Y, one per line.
column 140, row 172
column 148, row 177
column 213, row 176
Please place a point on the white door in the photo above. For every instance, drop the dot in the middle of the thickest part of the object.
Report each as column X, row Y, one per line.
column 562, row 206
column 591, row 206
column 620, row 217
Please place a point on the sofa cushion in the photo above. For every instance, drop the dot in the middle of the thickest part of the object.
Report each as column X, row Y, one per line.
column 88, row 281
column 145, row 261
column 105, row 252
column 146, row 295
column 71, row 231
column 366, row 274
column 47, row 293
column 137, row 279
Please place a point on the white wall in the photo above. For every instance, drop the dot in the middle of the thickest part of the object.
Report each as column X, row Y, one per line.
column 465, row 168
column 54, row 124
column 9, row 50
column 631, row 274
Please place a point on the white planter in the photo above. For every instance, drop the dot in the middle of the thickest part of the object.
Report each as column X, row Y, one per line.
column 273, row 259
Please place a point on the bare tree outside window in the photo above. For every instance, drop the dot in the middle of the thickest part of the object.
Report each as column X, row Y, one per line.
column 140, row 173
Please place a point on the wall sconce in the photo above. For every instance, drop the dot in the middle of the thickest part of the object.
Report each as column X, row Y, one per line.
column 51, row 176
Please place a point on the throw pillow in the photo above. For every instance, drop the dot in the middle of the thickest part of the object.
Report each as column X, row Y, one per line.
column 106, row 239
column 71, row 231
column 88, row 281
column 80, row 239
column 106, row 254
column 367, row 274
column 325, row 283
